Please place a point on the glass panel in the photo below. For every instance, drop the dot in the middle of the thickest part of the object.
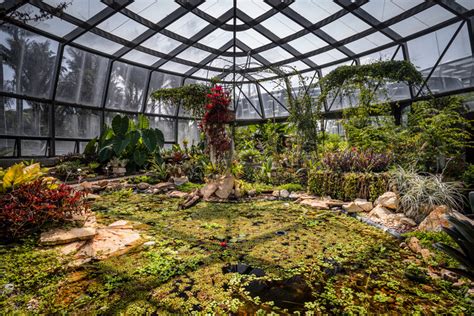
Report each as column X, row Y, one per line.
column 385, row 54
column 273, row 93
column 327, row 57
column 216, row 8
column 315, row 10
column 252, row 38
column 281, row 26
column 216, row 39
column 369, row 42
column 345, row 26
column 140, row 57
column 188, row 25
column 51, row 25
column 275, row 54
column 246, row 109
column 176, row 67
column 455, row 70
column 28, row 61
column 153, row 10
column 76, row 122
column 126, row 87
column 307, row 43
column 384, row 10
column 422, row 20
column 33, row 147
column 188, row 130
column 161, row 43
column 7, row 147
column 82, row 78
column 98, row 43
column 122, row 26
column 83, row 10
column 23, row 118
column 204, row 73
column 64, row 147
column 297, row 65
column 158, row 81
column 468, row 4
column 166, row 125
column 253, row 8
column 193, row 54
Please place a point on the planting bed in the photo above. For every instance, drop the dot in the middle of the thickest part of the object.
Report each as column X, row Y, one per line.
column 229, row 258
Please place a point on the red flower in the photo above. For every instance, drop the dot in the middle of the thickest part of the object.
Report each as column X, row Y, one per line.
column 223, row 244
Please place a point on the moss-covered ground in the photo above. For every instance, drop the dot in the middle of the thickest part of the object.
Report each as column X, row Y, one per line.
column 317, row 262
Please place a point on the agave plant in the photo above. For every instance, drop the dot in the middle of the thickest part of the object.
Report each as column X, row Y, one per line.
column 462, row 232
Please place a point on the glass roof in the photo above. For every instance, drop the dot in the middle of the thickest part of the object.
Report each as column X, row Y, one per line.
column 130, row 46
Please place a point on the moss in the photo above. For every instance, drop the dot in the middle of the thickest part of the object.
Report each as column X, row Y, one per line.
column 351, row 267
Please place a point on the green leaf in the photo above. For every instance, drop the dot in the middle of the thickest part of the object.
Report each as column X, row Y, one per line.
column 119, row 145
column 139, row 157
column 134, row 136
column 143, row 122
column 105, row 153
column 149, row 139
column 91, row 147
column 160, row 138
column 120, row 125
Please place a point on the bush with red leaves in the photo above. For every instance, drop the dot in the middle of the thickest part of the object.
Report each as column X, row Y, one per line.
column 34, row 204
column 214, row 120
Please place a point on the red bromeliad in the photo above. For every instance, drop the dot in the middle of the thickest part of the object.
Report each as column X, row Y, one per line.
column 214, row 120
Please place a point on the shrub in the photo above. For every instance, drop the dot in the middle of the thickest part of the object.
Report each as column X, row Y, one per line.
column 348, row 186
column 291, row 187
column 19, row 174
column 34, row 204
column 420, row 193
column 355, row 160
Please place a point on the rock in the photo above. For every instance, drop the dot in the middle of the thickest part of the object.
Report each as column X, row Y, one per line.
column 449, row 275
column 407, row 221
column 352, row 207
column 334, row 203
column 71, row 248
column 85, row 186
column 62, row 236
column 121, row 224
column 403, row 245
column 284, row 194
column 92, row 197
column 414, row 245
column 179, row 180
column 276, row 193
column 143, row 186
column 252, row 192
column 149, row 243
column 109, row 242
column 96, row 188
column 426, row 254
column 208, row 190
column 33, row 304
column 8, row 288
column 163, row 186
column 380, row 212
column 177, row 194
column 225, row 186
column 102, row 183
column 388, row 200
column 191, row 200
column 436, row 220
column 294, row 195
column 315, row 203
column 365, row 205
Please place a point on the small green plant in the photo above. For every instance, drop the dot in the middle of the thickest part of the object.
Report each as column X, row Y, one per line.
column 420, row 193
column 462, row 232
column 291, row 187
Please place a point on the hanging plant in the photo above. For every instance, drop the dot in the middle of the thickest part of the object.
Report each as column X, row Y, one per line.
column 214, row 121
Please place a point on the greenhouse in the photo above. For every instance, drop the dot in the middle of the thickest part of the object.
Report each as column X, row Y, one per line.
column 244, row 157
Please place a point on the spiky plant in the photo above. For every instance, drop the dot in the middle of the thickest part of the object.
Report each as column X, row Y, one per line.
column 462, row 232
column 420, row 193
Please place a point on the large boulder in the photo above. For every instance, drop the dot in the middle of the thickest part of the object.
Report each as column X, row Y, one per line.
column 179, row 180
column 225, row 187
column 65, row 236
column 388, row 200
column 380, row 212
column 365, row 205
column 436, row 220
column 352, row 207
column 208, row 190
column 315, row 203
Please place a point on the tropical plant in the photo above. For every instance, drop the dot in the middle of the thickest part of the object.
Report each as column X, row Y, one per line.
column 355, row 160
column 35, row 203
column 126, row 140
column 420, row 193
column 20, row 174
column 462, row 232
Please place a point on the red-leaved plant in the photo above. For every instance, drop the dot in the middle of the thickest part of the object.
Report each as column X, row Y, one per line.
column 34, row 204
column 217, row 115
